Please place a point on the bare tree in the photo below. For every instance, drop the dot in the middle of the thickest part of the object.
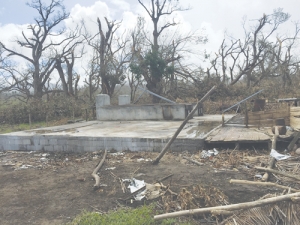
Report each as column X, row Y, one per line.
column 242, row 58
column 112, row 54
column 41, row 44
column 154, row 63
column 68, row 77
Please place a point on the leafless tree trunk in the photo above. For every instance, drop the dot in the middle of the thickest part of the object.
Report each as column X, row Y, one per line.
column 40, row 44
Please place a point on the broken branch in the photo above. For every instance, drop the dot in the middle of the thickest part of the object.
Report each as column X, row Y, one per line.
column 245, row 205
column 233, row 181
column 193, row 161
column 94, row 174
column 277, row 172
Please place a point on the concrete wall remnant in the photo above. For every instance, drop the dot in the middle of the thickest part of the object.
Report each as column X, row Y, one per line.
column 124, row 99
column 127, row 111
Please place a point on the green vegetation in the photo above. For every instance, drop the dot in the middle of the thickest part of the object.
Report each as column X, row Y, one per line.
column 139, row 216
column 7, row 128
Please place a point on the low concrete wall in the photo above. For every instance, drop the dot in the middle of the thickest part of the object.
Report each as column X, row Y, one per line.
column 142, row 112
column 79, row 144
column 126, row 111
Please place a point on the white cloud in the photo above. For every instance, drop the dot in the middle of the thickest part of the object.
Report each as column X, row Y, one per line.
column 121, row 4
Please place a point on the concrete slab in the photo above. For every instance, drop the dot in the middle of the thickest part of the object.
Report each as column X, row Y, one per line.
column 117, row 135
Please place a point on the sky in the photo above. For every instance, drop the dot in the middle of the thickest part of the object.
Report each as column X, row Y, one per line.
column 214, row 16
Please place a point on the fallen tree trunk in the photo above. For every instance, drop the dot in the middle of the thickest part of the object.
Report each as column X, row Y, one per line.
column 163, row 152
column 277, row 172
column 95, row 175
column 233, row 181
column 245, row 205
column 193, row 161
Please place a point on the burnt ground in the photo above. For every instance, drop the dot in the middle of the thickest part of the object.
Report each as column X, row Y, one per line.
column 52, row 188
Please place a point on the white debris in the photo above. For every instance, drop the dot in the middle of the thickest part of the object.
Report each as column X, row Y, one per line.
column 278, row 156
column 24, row 167
column 44, row 159
column 110, row 168
column 192, row 135
column 258, row 176
column 208, row 153
column 136, row 185
column 117, row 153
column 45, row 155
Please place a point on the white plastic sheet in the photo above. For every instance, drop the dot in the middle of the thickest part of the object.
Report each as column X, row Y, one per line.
column 278, row 156
column 208, row 153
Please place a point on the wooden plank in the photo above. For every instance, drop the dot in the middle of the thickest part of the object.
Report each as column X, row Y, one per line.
column 295, row 109
column 295, row 122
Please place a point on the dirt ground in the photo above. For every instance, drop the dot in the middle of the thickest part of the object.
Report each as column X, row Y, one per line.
column 52, row 188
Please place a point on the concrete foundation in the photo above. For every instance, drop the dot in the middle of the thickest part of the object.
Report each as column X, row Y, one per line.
column 112, row 135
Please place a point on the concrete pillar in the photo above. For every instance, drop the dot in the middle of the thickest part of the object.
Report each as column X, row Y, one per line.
column 101, row 100
column 124, row 99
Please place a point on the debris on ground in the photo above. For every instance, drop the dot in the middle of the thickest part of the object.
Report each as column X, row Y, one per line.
column 208, row 153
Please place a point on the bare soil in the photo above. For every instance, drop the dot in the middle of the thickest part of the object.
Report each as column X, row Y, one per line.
column 52, row 188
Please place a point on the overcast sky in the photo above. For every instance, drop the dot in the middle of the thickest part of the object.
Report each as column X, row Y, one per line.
column 215, row 16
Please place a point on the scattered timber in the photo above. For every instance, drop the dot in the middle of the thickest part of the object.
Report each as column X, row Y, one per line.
column 245, row 205
column 277, row 172
column 193, row 161
column 233, row 181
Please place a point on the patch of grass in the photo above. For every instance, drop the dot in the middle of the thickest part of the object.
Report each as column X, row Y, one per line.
column 7, row 128
column 139, row 216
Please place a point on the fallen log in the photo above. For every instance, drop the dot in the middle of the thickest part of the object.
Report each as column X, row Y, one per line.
column 233, row 181
column 95, row 175
column 277, row 172
column 273, row 160
column 190, row 115
column 245, row 205
column 193, row 161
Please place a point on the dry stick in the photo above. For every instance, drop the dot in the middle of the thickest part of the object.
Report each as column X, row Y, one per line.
column 134, row 193
column 277, row 172
column 245, row 205
column 273, row 160
column 94, row 174
column 233, row 181
column 163, row 152
column 291, row 145
column 193, row 161
column 164, row 178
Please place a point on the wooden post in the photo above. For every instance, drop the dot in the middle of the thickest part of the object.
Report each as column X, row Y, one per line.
column 223, row 124
column 86, row 114
column 246, row 116
column 29, row 118
column 162, row 153
column 273, row 160
column 291, row 145
column 46, row 118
